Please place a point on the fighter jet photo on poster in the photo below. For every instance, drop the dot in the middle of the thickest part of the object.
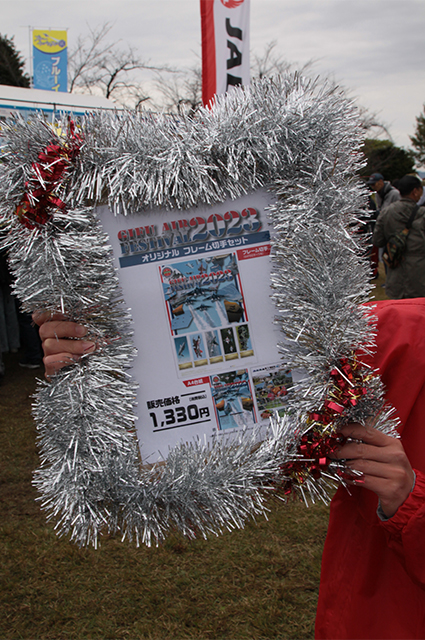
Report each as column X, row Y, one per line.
column 203, row 294
column 233, row 402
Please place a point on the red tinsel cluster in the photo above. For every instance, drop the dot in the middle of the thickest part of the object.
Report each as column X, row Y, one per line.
column 40, row 199
column 321, row 440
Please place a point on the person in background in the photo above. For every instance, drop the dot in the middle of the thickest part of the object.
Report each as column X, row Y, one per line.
column 421, row 201
column 366, row 226
column 407, row 280
column 9, row 327
column 32, row 357
column 383, row 195
column 16, row 327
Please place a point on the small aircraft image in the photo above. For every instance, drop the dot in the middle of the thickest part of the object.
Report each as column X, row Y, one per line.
column 203, row 307
column 197, row 346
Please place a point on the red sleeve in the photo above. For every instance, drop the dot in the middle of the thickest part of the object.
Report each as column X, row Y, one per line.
column 400, row 358
column 405, row 532
column 373, row 572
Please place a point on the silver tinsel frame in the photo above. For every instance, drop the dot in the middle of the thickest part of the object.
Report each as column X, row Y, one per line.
column 297, row 138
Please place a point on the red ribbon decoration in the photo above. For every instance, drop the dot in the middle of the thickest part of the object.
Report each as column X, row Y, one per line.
column 320, row 441
column 40, row 199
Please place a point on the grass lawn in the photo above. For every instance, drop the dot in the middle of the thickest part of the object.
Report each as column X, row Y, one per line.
column 261, row 582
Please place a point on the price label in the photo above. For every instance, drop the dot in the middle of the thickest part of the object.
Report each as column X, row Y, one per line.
column 186, row 410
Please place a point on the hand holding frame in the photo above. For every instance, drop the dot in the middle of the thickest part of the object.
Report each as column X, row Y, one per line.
column 382, row 462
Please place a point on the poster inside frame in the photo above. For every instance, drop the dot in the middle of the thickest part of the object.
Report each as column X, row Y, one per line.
column 198, row 286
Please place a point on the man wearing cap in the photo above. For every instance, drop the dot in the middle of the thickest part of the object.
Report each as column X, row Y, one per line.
column 386, row 194
column 407, row 280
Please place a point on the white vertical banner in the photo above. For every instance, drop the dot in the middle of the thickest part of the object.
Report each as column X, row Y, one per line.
column 225, row 46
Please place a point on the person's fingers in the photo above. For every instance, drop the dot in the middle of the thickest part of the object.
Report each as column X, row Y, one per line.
column 376, row 462
column 40, row 317
column 392, row 452
column 55, row 362
column 61, row 353
column 53, row 346
column 368, row 434
column 354, row 450
column 391, row 483
column 375, row 468
column 61, row 329
column 62, row 340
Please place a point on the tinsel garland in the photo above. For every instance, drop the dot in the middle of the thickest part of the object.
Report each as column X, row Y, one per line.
column 297, row 138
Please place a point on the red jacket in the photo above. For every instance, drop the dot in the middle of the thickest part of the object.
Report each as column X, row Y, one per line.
column 373, row 573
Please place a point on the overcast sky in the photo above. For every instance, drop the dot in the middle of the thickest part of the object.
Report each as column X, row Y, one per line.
column 374, row 48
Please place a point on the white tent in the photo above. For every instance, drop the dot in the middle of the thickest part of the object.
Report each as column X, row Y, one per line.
column 24, row 101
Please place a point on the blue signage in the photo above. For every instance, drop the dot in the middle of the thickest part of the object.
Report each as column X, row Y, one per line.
column 50, row 60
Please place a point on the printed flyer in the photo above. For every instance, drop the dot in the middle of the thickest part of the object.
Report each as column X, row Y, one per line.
column 198, row 286
column 204, row 300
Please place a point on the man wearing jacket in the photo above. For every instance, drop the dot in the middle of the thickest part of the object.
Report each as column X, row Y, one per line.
column 386, row 194
column 407, row 280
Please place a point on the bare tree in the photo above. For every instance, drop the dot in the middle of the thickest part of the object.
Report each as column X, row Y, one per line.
column 89, row 51
column 371, row 123
column 136, row 96
column 95, row 63
column 180, row 91
column 269, row 63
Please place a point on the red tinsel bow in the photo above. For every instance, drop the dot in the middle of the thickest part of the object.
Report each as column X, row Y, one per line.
column 40, row 200
column 314, row 451
column 318, row 443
